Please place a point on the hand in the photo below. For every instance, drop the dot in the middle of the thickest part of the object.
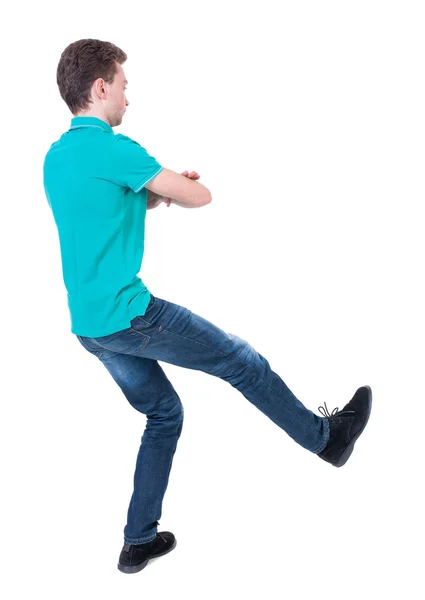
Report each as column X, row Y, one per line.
column 192, row 175
column 154, row 200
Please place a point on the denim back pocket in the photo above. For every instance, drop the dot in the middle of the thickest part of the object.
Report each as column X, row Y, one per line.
column 127, row 341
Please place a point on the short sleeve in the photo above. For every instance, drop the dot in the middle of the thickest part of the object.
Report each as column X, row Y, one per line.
column 130, row 164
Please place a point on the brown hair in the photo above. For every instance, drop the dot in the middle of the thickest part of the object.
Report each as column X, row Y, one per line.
column 80, row 64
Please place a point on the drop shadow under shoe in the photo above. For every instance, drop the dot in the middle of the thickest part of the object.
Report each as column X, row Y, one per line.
column 346, row 426
column 135, row 557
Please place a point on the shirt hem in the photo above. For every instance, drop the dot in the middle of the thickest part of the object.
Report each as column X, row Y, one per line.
column 119, row 327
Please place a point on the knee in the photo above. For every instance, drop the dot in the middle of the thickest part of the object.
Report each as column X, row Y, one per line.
column 174, row 415
column 176, row 418
column 243, row 363
column 179, row 413
column 167, row 420
column 240, row 355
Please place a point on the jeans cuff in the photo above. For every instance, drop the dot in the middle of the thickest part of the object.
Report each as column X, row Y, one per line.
column 326, row 433
column 139, row 541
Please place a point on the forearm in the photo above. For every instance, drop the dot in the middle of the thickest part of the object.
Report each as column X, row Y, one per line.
column 153, row 197
column 186, row 200
column 183, row 204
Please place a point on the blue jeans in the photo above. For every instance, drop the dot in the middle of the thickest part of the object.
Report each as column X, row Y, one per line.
column 173, row 334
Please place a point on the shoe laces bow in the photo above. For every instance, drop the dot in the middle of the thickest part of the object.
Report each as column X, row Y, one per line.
column 325, row 412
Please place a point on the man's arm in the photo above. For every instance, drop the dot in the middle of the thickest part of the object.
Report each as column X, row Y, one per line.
column 180, row 188
column 154, row 199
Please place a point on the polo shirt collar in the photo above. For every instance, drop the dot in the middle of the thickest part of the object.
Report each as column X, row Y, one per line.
column 77, row 122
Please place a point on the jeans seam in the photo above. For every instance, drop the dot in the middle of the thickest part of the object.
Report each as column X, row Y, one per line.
column 145, row 335
column 194, row 341
column 243, row 363
column 273, row 392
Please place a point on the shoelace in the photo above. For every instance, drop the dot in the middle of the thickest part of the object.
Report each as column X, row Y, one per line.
column 334, row 413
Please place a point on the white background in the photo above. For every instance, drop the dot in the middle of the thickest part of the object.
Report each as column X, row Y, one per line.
column 306, row 121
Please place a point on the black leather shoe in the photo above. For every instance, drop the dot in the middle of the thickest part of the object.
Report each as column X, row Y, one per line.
column 346, row 426
column 135, row 557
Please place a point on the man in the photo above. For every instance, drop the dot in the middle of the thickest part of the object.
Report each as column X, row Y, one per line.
column 99, row 186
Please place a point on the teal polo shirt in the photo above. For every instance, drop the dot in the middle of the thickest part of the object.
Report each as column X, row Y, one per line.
column 94, row 183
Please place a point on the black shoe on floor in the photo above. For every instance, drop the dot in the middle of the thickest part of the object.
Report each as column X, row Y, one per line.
column 135, row 557
column 346, row 426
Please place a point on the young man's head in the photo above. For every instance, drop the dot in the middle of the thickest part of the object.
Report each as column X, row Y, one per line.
column 92, row 81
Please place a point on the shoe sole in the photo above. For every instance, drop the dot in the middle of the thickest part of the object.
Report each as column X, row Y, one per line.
column 347, row 452
column 142, row 565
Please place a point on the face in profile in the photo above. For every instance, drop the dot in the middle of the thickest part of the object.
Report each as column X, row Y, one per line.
column 117, row 101
column 109, row 106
